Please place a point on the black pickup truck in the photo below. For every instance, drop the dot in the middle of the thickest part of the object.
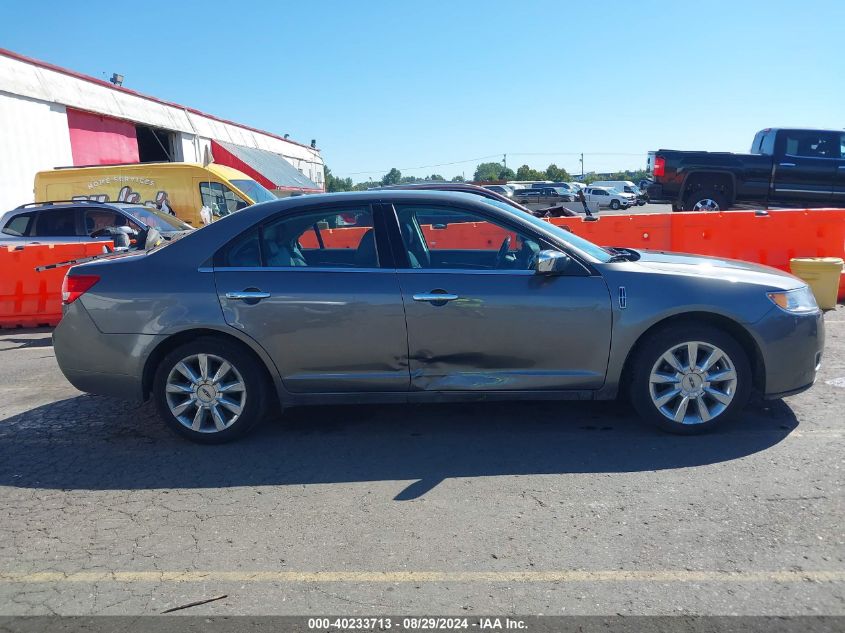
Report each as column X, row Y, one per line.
column 787, row 168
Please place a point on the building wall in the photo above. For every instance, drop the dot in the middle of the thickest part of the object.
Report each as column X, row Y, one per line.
column 34, row 136
column 38, row 82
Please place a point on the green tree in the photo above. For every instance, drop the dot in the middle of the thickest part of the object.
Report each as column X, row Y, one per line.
column 333, row 183
column 526, row 173
column 556, row 174
column 487, row 171
column 393, row 177
column 458, row 178
column 435, row 177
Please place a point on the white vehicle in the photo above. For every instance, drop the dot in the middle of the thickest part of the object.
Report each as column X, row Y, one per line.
column 609, row 197
column 625, row 186
column 577, row 186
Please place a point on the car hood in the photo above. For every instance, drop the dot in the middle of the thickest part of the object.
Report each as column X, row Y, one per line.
column 731, row 270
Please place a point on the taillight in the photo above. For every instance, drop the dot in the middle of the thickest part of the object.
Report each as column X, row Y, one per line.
column 75, row 286
column 659, row 166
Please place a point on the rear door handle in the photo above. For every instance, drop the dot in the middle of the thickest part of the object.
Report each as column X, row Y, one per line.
column 787, row 164
column 436, row 297
column 248, row 295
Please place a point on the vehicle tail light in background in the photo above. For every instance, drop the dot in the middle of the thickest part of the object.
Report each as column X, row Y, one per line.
column 75, row 286
column 659, row 166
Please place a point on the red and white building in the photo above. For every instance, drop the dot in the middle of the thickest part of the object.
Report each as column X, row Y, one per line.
column 53, row 117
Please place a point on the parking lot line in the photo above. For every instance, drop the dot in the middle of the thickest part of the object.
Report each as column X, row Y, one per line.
column 562, row 576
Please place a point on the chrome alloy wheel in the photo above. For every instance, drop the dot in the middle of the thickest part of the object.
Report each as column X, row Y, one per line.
column 692, row 383
column 706, row 204
column 205, row 393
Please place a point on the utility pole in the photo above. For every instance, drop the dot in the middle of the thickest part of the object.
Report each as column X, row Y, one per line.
column 582, row 165
column 505, row 160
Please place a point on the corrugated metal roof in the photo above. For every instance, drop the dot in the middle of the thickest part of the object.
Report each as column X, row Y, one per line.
column 271, row 165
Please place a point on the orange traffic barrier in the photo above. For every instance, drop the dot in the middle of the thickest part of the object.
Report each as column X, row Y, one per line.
column 29, row 298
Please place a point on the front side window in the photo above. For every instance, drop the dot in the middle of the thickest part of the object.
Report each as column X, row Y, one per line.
column 99, row 219
column 220, row 199
column 56, row 223
column 480, row 243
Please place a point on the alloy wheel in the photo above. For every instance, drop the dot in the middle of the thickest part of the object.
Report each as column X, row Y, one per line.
column 205, row 393
column 706, row 204
column 692, row 383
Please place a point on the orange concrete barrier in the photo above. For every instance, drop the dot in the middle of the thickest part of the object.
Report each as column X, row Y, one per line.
column 772, row 239
column 29, row 298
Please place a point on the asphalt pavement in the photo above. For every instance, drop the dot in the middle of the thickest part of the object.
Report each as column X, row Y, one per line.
column 522, row 508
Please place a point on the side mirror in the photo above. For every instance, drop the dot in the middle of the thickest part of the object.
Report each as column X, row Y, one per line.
column 552, row 262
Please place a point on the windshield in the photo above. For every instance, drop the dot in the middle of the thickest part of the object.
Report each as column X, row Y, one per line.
column 163, row 222
column 585, row 246
column 256, row 192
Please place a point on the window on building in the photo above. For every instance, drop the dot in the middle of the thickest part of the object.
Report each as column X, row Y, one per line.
column 156, row 145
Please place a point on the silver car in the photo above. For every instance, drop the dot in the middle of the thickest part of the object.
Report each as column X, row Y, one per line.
column 348, row 298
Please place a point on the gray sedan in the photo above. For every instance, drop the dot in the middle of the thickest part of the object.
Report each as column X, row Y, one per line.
column 348, row 298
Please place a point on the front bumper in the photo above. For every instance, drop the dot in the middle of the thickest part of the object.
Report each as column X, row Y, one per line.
column 792, row 347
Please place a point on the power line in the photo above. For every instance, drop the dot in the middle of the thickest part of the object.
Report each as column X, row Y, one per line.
column 471, row 160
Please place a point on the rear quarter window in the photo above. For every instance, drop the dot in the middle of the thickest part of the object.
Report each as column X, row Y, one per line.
column 19, row 225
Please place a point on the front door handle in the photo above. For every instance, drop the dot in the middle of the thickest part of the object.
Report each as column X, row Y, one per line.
column 437, row 297
column 248, row 295
column 787, row 164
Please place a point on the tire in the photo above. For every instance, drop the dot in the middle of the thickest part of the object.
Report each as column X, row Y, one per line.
column 641, row 203
column 614, row 204
column 706, row 199
column 654, row 399
column 227, row 415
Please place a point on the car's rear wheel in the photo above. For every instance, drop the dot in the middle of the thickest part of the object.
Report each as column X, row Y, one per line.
column 706, row 199
column 210, row 391
column 614, row 204
column 689, row 379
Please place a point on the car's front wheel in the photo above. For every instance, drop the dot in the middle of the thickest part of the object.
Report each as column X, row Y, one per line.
column 689, row 379
column 209, row 390
column 614, row 204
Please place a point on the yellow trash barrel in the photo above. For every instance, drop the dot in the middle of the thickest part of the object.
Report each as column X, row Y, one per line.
column 822, row 275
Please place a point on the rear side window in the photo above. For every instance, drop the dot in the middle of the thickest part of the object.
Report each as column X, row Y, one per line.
column 56, row 223
column 242, row 252
column 19, row 225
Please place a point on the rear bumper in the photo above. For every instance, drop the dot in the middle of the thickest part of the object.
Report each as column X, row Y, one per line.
column 104, row 364
column 656, row 194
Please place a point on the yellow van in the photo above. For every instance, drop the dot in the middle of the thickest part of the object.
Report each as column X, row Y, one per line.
column 179, row 188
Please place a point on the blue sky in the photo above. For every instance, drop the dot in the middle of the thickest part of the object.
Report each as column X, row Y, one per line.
column 402, row 84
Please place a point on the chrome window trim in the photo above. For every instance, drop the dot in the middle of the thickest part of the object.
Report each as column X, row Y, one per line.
column 322, row 269
column 303, row 269
column 464, row 271
column 814, row 157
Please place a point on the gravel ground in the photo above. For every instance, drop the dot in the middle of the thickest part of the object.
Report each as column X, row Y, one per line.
column 554, row 508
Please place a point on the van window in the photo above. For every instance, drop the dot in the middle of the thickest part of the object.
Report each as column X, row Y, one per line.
column 220, row 199
column 56, row 223
column 19, row 225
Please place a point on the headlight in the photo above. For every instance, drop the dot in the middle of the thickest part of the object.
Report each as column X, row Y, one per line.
column 796, row 301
